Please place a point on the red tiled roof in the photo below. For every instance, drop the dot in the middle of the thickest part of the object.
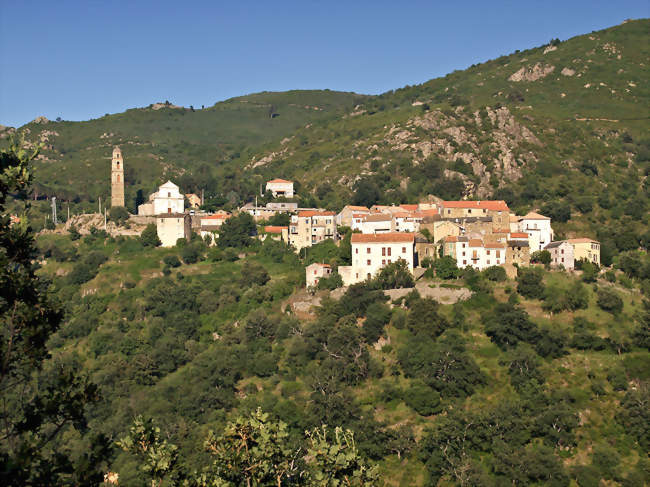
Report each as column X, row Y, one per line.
column 495, row 245
column 358, row 215
column 382, row 238
column 410, row 207
column 475, row 242
column 357, row 208
column 429, row 212
column 308, row 213
column 274, row 229
column 379, row 217
column 518, row 235
column 451, row 238
column 498, row 205
column 279, row 181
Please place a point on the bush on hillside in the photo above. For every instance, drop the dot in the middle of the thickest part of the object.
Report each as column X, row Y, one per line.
column 609, row 300
column 149, row 236
column 541, row 257
column 118, row 214
column 395, row 275
column 171, row 261
column 529, row 282
column 446, row 268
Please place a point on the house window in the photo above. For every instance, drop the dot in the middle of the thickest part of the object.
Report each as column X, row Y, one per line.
column 498, row 254
column 169, row 210
column 562, row 251
column 383, row 261
column 562, row 259
column 368, row 262
column 383, row 251
column 463, row 245
column 389, row 261
column 464, row 262
column 356, row 251
column 463, row 254
column 367, row 250
column 403, row 250
column 389, row 251
column 118, row 178
column 169, row 195
column 488, row 262
column 488, row 252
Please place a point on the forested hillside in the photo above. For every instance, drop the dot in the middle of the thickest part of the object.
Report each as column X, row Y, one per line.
column 537, row 380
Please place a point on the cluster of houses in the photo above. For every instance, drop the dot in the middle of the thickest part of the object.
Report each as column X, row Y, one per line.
column 476, row 234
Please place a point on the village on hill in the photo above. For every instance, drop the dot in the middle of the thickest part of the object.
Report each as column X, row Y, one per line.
column 476, row 234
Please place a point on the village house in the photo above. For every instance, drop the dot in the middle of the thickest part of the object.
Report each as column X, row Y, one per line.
column 171, row 227
column 473, row 252
column 280, row 187
column 193, row 200
column 497, row 210
column 275, row 232
column 372, row 252
column 315, row 272
column 408, row 221
column 538, row 228
column 561, row 254
column 586, row 248
column 167, row 200
column 311, row 227
column 375, row 223
column 345, row 216
column 270, row 209
column 210, row 225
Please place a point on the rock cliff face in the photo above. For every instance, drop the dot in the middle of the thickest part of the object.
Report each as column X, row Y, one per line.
column 532, row 73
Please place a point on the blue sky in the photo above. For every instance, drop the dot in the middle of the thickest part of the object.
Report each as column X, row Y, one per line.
column 80, row 60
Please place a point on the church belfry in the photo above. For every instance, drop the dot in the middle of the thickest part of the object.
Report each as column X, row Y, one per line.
column 117, row 178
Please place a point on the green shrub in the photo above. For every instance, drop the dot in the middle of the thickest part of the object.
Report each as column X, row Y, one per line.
column 423, row 399
column 171, row 261
column 495, row 273
column 529, row 282
column 609, row 300
column 149, row 236
column 118, row 214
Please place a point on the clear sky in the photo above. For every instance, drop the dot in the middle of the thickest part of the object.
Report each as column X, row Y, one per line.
column 82, row 59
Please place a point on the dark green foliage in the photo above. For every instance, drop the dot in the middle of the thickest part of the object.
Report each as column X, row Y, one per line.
column 424, row 318
column 424, row 400
column 331, row 282
column 495, row 273
column 541, row 257
column 446, row 268
column 557, row 299
column 253, row 274
column 149, row 236
column 509, row 325
column 524, row 370
column 190, row 254
column 557, row 211
column 635, row 415
column 377, row 317
column 236, row 231
column 529, row 282
column 119, row 215
column 395, row 275
column 171, row 261
column 74, row 233
column 609, row 300
column 43, row 401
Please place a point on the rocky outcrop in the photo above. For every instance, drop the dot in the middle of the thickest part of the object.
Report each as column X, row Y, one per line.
column 568, row 72
column 40, row 119
column 532, row 73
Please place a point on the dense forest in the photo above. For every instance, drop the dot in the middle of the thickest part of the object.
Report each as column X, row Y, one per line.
column 190, row 366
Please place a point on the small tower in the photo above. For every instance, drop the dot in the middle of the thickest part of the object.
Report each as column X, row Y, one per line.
column 117, row 178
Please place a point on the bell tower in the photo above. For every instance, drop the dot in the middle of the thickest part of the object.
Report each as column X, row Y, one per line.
column 117, row 178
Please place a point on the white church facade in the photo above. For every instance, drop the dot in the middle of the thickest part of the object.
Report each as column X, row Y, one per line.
column 167, row 200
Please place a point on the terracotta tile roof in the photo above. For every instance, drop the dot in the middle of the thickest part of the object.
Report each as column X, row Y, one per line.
column 519, row 235
column 495, row 245
column 476, row 242
column 279, row 181
column 356, row 208
column 380, row 217
column 274, row 229
column 501, row 230
column 534, row 216
column 309, row 213
column 429, row 212
column 403, row 214
column 498, row 205
column 582, row 240
column 382, row 238
column 451, row 238
column 409, row 207
column 359, row 215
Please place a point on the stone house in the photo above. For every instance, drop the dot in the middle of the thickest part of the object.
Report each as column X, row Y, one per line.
column 280, row 187
column 311, row 227
column 193, row 200
column 344, row 217
column 375, row 223
column 210, row 225
column 315, row 272
column 275, row 232
column 372, row 252
column 586, row 248
column 561, row 254
column 517, row 251
column 538, row 228
column 173, row 226
column 497, row 210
